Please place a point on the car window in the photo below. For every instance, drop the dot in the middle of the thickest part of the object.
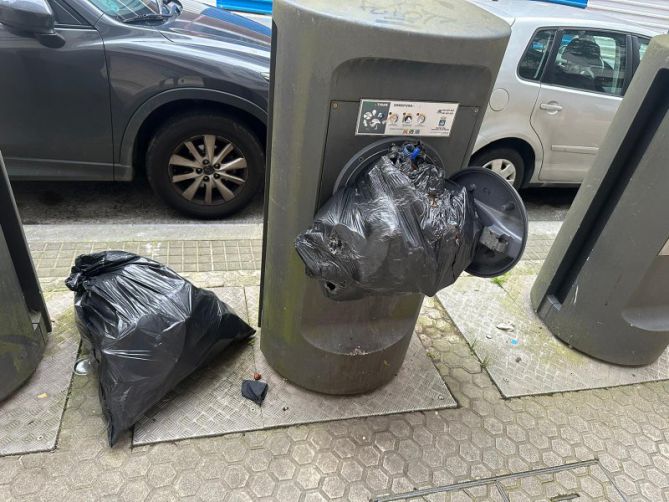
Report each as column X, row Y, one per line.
column 121, row 9
column 64, row 14
column 533, row 61
column 591, row 61
column 643, row 45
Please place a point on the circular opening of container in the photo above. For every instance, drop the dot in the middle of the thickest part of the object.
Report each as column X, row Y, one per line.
column 367, row 156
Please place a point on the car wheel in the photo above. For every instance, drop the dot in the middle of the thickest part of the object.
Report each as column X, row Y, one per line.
column 206, row 166
column 506, row 162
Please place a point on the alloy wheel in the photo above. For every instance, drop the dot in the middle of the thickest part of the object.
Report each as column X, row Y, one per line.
column 208, row 169
column 505, row 168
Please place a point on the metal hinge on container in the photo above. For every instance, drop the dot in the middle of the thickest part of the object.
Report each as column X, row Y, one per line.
column 496, row 241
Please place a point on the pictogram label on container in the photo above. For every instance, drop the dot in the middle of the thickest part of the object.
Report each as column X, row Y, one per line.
column 379, row 117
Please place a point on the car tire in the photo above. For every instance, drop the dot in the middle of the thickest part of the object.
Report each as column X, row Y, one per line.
column 506, row 162
column 205, row 165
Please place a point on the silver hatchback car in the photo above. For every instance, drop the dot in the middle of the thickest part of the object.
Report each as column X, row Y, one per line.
column 560, row 84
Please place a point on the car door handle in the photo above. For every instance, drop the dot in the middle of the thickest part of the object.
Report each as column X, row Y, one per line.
column 550, row 107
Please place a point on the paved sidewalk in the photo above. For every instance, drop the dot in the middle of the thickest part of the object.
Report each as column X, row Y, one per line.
column 54, row 259
column 185, row 248
column 517, row 449
column 197, row 248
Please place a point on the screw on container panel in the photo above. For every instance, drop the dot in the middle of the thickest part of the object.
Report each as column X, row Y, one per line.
column 335, row 105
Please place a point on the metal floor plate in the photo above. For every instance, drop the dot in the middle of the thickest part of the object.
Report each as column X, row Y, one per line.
column 529, row 360
column 30, row 418
column 210, row 402
column 417, row 386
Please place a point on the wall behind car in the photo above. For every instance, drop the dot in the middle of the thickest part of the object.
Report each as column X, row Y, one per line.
column 251, row 6
column 651, row 13
column 571, row 3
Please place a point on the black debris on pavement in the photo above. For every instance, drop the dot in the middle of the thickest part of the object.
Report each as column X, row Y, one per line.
column 254, row 390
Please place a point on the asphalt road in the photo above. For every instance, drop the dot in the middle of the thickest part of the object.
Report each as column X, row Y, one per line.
column 135, row 203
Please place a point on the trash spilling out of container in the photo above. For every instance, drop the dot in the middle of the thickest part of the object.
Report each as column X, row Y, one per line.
column 401, row 227
column 148, row 328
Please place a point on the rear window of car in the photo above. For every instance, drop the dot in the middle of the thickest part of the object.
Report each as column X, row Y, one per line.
column 590, row 60
column 534, row 60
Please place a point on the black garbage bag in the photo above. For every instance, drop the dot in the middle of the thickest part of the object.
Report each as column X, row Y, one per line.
column 402, row 227
column 148, row 329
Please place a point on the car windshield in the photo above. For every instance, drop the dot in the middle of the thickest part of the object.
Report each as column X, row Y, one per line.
column 126, row 10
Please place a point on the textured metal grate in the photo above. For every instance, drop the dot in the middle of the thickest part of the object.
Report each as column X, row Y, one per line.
column 30, row 418
column 528, row 359
column 210, row 402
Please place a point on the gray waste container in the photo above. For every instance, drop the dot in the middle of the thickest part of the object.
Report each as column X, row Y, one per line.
column 24, row 320
column 335, row 67
column 604, row 288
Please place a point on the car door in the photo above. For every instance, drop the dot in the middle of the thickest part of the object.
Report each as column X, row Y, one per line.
column 581, row 90
column 55, row 119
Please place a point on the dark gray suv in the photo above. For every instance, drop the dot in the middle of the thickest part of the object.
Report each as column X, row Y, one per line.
column 104, row 89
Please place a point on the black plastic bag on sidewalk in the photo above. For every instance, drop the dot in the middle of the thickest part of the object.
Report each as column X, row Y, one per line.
column 402, row 227
column 148, row 328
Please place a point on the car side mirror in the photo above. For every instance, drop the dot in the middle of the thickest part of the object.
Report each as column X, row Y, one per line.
column 31, row 17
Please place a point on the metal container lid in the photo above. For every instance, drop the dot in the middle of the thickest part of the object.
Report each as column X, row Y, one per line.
column 503, row 215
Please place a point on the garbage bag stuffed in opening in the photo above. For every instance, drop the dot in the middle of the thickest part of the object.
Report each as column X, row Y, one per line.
column 401, row 227
column 148, row 328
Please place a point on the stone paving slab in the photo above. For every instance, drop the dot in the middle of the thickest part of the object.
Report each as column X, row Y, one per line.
column 588, row 483
column 582, row 481
column 30, row 418
column 110, row 232
column 54, row 259
column 541, row 236
column 210, row 403
column 529, row 359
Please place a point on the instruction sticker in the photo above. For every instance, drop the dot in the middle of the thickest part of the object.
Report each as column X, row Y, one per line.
column 405, row 118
